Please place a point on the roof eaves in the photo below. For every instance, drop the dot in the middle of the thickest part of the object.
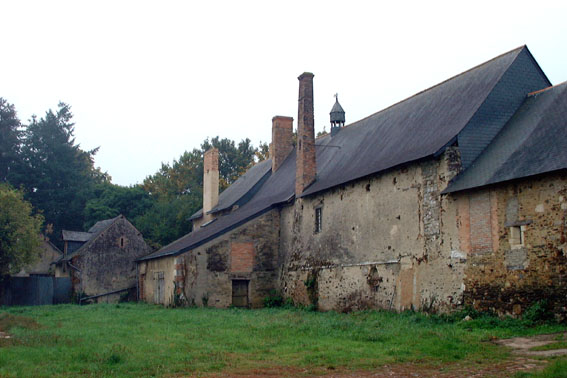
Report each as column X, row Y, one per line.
column 209, row 238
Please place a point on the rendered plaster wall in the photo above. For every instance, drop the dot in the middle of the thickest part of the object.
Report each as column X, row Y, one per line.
column 506, row 272
column 388, row 241
column 107, row 263
column 204, row 275
column 148, row 273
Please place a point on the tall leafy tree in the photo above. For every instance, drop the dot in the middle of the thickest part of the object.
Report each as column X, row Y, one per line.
column 9, row 139
column 177, row 192
column 57, row 174
column 233, row 160
column 19, row 231
column 109, row 200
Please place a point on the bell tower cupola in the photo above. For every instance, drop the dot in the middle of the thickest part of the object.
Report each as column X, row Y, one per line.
column 337, row 117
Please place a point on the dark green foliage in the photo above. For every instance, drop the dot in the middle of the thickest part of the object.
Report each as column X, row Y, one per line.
column 9, row 139
column 109, row 200
column 274, row 299
column 539, row 312
column 57, row 175
column 20, row 236
column 60, row 180
column 176, row 189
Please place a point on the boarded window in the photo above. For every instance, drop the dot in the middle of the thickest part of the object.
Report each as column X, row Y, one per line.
column 242, row 257
column 240, row 293
column 480, row 223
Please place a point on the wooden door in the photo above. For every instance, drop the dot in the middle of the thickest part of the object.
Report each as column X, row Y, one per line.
column 159, row 292
column 240, row 293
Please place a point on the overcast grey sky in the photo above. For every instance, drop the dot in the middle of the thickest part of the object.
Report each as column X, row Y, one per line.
column 148, row 80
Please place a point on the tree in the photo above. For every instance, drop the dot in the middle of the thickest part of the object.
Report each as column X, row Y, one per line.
column 262, row 152
column 20, row 236
column 9, row 138
column 233, row 161
column 58, row 176
column 177, row 189
column 110, row 200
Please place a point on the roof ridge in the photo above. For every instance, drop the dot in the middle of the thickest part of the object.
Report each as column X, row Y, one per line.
column 551, row 87
column 96, row 235
column 517, row 49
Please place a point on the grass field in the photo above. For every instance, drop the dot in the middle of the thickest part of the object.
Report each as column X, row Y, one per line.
column 145, row 340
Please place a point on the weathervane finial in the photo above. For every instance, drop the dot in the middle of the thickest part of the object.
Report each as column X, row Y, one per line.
column 337, row 96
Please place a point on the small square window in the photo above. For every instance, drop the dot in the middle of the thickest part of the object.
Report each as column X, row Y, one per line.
column 318, row 219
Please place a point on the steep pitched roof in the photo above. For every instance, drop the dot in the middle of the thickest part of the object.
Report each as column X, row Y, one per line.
column 416, row 128
column 94, row 232
column 424, row 124
column 533, row 142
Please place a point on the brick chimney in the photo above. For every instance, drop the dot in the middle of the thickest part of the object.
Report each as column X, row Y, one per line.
column 306, row 167
column 282, row 140
column 210, row 182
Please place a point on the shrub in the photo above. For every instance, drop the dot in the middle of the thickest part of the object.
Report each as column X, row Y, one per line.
column 539, row 312
column 274, row 299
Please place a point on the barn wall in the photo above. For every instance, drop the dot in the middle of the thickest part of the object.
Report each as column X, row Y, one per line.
column 107, row 263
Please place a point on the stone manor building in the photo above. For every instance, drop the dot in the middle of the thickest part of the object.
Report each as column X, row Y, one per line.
column 456, row 195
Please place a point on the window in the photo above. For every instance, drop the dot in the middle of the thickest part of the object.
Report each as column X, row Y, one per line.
column 516, row 236
column 318, row 219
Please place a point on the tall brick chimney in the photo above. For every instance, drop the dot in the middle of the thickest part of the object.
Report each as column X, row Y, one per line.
column 306, row 167
column 282, row 140
column 210, row 182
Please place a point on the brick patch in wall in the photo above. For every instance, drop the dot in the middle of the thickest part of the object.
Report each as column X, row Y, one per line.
column 241, row 257
column 480, row 223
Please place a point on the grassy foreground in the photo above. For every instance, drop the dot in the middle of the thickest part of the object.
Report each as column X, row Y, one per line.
column 143, row 340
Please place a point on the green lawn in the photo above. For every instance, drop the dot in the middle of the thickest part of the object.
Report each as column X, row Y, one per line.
column 142, row 340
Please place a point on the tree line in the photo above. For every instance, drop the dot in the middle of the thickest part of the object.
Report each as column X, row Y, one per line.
column 41, row 163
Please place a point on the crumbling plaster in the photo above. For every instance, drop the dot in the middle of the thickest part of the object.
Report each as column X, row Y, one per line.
column 387, row 241
column 204, row 275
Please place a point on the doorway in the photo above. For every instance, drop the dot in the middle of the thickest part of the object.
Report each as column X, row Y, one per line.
column 240, row 293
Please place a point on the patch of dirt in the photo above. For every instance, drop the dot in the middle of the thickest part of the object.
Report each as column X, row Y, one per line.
column 8, row 321
column 522, row 345
column 409, row 370
column 521, row 361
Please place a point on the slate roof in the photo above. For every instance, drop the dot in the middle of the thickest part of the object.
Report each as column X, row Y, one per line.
column 236, row 194
column 533, row 142
column 94, row 232
column 76, row 236
column 419, row 127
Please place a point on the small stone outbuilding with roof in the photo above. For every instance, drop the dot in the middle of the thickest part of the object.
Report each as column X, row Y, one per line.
column 101, row 262
column 455, row 196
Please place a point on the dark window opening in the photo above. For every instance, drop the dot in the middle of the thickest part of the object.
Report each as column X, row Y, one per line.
column 318, row 219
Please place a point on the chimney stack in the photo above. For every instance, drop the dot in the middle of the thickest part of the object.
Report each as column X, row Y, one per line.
column 282, row 140
column 210, row 182
column 306, row 167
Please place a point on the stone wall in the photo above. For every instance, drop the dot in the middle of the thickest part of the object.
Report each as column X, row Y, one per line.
column 388, row 241
column 515, row 236
column 107, row 263
column 204, row 276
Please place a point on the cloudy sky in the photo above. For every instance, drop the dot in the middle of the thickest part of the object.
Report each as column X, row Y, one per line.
column 147, row 80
